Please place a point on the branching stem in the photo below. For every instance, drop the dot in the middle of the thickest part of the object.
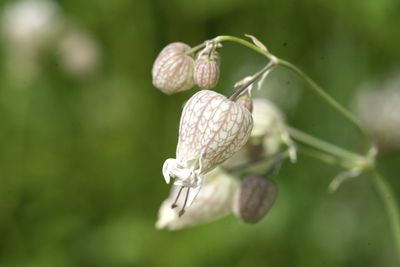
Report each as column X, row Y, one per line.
column 325, row 151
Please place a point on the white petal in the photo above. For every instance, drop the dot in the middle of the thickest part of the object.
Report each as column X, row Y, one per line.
column 213, row 201
column 166, row 170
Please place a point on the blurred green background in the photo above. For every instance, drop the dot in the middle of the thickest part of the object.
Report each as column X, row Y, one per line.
column 82, row 144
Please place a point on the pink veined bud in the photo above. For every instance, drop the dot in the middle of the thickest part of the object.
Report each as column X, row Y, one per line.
column 206, row 69
column 173, row 69
column 254, row 198
column 212, row 129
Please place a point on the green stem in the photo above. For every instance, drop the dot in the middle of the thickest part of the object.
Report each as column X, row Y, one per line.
column 322, row 145
column 391, row 206
column 227, row 38
column 321, row 93
column 324, row 157
column 347, row 156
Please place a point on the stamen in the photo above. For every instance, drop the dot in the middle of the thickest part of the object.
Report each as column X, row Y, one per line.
column 182, row 211
column 174, row 205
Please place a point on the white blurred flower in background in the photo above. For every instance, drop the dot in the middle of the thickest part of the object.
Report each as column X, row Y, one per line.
column 28, row 22
column 32, row 28
column 26, row 26
column 378, row 106
column 79, row 53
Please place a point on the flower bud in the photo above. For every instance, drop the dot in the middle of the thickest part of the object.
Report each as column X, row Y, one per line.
column 173, row 69
column 212, row 129
column 254, row 198
column 206, row 68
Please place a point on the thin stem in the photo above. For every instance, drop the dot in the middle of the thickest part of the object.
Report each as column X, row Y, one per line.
column 323, row 156
column 321, row 93
column 322, row 145
column 391, row 206
column 227, row 38
column 196, row 48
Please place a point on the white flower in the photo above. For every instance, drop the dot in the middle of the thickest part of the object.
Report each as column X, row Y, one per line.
column 213, row 201
column 79, row 53
column 378, row 106
column 28, row 22
column 212, row 129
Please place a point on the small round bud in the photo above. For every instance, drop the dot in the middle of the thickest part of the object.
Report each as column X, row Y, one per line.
column 173, row 69
column 254, row 198
column 206, row 69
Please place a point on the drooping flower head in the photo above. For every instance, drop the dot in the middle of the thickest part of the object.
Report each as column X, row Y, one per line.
column 212, row 129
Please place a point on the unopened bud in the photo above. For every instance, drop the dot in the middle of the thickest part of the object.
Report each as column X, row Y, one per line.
column 254, row 198
column 206, row 68
column 173, row 69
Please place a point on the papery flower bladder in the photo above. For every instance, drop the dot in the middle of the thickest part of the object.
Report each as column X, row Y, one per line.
column 212, row 129
column 213, row 201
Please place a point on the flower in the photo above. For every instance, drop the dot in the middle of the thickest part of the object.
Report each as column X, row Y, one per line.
column 213, row 201
column 212, row 129
column 26, row 23
column 173, row 69
column 79, row 52
column 254, row 198
column 378, row 106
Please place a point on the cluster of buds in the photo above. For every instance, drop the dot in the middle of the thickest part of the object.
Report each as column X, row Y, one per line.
column 175, row 70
